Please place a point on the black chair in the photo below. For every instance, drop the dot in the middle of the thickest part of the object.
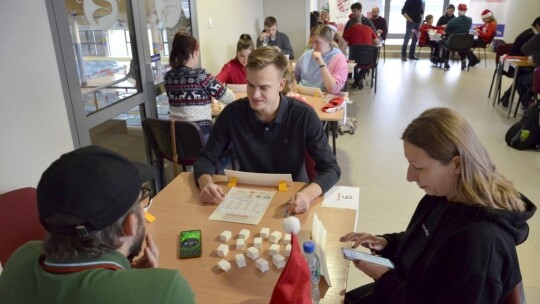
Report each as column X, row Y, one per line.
column 485, row 46
column 459, row 42
column 420, row 46
column 189, row 142
column 503, row 49
column 366, row 57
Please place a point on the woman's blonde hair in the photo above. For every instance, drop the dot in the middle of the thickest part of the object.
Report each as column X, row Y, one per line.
column 328, row 33
column 443, row 134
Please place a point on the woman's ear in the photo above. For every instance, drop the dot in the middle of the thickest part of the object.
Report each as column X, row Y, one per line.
column 456, row 160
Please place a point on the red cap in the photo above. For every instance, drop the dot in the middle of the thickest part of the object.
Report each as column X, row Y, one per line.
column 293, row 285
column 462, row 7
column 486, row 14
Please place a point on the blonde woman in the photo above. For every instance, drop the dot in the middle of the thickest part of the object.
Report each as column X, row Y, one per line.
column 324, row 65
column 459, row 246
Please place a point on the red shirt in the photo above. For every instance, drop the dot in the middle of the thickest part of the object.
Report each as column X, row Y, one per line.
column 359, row 34
column 487, row 32
column 233, row 72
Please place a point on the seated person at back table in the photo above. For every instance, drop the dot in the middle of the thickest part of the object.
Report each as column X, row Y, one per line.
column 423, row 39
column 459, row 25
column 449, row 14
column 190, row 89
column 486, row 32
column 272, row 37
column 234, row 71
column 460, row 245
column 359, row 34
column 91, row 202
column 272, row 136
column 379, row 22
column 324, row 66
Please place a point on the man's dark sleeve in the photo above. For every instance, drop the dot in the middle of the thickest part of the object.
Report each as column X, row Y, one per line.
column 287, row 48
column 328, row 171
column 215, row 147
column 530, row 47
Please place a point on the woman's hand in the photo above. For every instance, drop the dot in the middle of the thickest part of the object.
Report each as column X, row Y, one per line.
column 372, row 270
column 367, row 240
column 318, row 57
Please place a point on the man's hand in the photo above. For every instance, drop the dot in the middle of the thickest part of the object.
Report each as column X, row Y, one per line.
column 367, row 240
column 264, row 35
column 150, row 256
column 299, row 203
column 212, row 194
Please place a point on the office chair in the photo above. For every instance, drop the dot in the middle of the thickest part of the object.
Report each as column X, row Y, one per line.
column 366, row 57
column 417, row 36
column 485, row 47
column 189, row 142
column 459, row 42
column 19, row 221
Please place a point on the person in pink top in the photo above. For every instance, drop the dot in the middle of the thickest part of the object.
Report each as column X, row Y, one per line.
column 324, row 65
column 486, row 33
column 234, row 71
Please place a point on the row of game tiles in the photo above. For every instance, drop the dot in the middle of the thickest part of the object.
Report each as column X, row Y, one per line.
column 253, row 252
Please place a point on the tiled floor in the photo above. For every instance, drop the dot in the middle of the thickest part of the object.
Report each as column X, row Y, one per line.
column 373, row 160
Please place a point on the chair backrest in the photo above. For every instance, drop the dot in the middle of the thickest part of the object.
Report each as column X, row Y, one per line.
column 536, row 80
column 502, row 49
column 364, row 55
column 19, row 221
column 516, row 296
column 459, row 42
column 189, row 139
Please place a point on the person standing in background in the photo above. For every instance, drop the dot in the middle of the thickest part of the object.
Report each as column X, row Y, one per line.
column 380, row 23
column 272, row 37
column 412, row 11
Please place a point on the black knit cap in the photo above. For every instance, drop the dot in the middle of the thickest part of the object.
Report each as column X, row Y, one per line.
column 93, row 183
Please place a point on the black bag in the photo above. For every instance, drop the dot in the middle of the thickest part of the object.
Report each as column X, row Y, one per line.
column 525, row 134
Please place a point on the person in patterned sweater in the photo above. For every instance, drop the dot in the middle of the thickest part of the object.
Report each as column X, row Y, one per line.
column 190, row 89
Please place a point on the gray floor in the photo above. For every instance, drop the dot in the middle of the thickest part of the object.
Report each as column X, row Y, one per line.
column 373, row 160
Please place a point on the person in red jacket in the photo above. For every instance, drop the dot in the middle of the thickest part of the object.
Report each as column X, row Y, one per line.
column 234, row 71
column 423, row 38
column 486, row 33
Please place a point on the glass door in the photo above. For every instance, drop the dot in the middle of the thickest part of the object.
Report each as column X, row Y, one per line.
column 113, row 54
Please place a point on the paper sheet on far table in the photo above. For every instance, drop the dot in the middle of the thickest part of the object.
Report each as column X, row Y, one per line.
column 244, row 206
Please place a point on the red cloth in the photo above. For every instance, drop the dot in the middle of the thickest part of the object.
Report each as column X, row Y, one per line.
column 487, row 31
column 359, row 34
column 293, row 285
column 233, row 72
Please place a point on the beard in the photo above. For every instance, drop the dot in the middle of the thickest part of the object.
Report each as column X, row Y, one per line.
column 136, row 247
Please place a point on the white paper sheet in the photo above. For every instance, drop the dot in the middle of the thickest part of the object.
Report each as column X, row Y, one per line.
column 342, row 197
column 318, row 234
column 262, row 179
column 244, row 206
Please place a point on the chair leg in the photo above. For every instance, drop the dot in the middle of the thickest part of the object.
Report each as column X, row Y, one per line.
column 384, row 52
column 492, row 81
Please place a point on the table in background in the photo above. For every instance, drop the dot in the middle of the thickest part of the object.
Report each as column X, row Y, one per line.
column 317, row 103
column 177, row 208
column 522, row 61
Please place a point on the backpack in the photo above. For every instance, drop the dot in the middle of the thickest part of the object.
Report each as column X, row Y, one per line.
column 525, row 134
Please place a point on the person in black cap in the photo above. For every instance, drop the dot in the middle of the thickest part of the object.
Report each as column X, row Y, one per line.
column 90, row 202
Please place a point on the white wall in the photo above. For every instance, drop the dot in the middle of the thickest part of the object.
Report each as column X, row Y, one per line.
column 33, row 119
column 230, row 19
column 520, row 16
column 292, row 19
